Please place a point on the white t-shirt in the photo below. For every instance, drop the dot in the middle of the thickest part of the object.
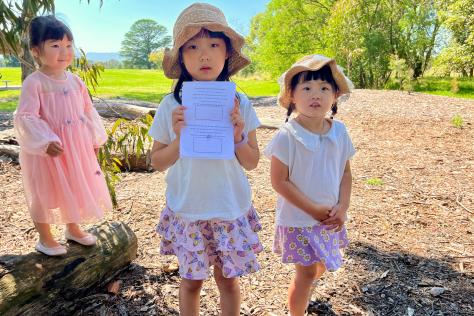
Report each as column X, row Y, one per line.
column 203, row 189
column 315, row 164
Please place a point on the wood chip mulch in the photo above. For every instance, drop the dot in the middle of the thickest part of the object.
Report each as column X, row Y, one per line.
column 412, row 232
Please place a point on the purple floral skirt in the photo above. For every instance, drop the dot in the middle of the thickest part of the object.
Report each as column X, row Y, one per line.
column 231, row 245
column 309, row 245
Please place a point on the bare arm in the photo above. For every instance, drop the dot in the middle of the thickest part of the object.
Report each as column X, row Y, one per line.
column 162, row 155
column 346, row 187
column 249, row 154
column 282, row 184
column 338, row 214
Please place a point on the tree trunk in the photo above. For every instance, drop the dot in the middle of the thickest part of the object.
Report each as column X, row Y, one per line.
column 27, row 63
column 26, row 59
column 36, row 284
column 125, row 109
column 417, row 69
column 430, row 47
column 270, row 123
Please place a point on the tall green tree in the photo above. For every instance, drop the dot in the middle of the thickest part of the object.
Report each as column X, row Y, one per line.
column 361, row 34
column 418, row 25
column 286, row 31
column 366, row 33
column 361, row 40
column 144, row 37
column 459, row 55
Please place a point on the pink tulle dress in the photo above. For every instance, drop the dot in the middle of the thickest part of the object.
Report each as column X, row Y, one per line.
column 69, row 188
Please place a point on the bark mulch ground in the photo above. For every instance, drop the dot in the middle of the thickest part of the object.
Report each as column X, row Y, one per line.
column 411, row 228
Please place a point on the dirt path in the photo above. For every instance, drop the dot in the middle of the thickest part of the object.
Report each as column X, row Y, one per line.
column 410, row 234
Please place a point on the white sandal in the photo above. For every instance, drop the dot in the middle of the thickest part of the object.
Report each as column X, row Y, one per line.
column 87, row 240
column 51, row 251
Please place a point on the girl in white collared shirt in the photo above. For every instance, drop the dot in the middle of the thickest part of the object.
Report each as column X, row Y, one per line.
column 311, row 173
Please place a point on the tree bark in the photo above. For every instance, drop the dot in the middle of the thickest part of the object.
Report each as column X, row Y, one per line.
column 120, row 108
column 11, row 151
column 26, row 62
column 26, row 59
column 36, row 284
column 270, row 123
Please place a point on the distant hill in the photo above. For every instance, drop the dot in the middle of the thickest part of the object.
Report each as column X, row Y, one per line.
column 101, row 57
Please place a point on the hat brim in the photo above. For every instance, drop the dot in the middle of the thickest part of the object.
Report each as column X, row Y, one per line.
column 284, row 97
column 236, row 60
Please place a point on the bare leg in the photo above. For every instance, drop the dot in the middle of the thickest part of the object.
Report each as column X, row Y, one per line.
column 189, row 291
column 45, row 236
column 75, row 230
column 229, row 290
column 300, row 287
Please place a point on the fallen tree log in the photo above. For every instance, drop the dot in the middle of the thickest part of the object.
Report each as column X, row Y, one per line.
column 270, row 123
column 128, row 109
column 10, row 151
column 118, row 100
column 42, row 285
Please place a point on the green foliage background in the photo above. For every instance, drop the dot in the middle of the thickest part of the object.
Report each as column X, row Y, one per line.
column 364, row 35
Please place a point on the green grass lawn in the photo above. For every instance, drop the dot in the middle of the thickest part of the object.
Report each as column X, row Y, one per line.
column 442, row 86
column 152, row 85
column 9, row 99
column 139, row 84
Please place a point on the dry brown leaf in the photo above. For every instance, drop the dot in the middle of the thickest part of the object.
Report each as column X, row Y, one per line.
column 114, row 287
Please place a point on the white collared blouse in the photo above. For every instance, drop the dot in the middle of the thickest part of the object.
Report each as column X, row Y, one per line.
column 315, row 163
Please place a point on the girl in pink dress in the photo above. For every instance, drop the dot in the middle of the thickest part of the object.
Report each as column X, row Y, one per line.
column 59, row 133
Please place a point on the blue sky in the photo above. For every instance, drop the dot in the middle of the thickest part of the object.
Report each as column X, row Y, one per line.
column 102, row 29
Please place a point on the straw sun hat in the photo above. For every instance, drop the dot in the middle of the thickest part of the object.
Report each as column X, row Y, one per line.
column 312, row 63
column 189, row 23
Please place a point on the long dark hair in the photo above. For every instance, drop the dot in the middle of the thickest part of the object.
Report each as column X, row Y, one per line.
column 185, row 76
column 324, row 74
column 43, row 28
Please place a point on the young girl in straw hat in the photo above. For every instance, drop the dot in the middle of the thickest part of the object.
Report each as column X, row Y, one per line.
column 209, row 219
column 311, row 172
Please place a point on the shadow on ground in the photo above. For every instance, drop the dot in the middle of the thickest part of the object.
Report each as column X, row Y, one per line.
column 400, row 283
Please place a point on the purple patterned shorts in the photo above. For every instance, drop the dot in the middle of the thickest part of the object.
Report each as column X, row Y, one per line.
column 309, row 245
column 230, row 245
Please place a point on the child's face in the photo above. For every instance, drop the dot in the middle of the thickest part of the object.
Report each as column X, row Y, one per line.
column 204, row 57
column 55, row 54
column 313, row 98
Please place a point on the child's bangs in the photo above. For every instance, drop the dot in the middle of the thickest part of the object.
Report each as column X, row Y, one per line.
column 209, row 34
column 52, row 33
column 47, row 28
column 206, row 33
column 323, row 74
